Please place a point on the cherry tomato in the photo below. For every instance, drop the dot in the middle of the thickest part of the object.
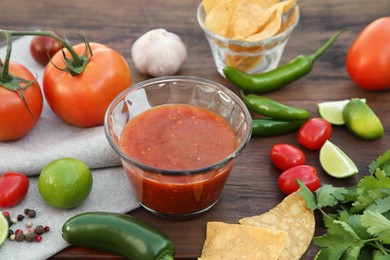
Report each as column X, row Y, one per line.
column 82, row 100
column 368, row 59
column 13, row 189
column 307, row 174
column 43, row 47
column 314, row 132
column 285, row 156
column 16, row 120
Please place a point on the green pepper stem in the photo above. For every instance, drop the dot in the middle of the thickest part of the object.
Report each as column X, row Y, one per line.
column 313, row 57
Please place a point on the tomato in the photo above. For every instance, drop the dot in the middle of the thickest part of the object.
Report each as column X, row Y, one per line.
column 16, row 120
column 44, row 47
column 82, row 100
column 307, row 174
column 285, row 156
column 314, row 132
column 13, row 188
column 368, row 59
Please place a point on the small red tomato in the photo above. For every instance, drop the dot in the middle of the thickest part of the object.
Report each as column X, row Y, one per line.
column 42, row 48
column 13, row 188
column 368, row 59
column 287, row 181
column 285, row 156
column 314, row 132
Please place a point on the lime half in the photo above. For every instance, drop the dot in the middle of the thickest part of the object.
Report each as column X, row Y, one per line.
column 332, row 111
column 3, row 228
column 335, row 162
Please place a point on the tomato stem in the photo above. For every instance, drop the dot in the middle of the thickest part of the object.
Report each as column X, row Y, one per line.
column 74, row 65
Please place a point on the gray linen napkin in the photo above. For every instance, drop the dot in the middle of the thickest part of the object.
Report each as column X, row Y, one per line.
column 51, row 139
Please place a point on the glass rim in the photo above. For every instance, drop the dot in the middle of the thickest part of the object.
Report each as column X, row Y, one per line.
column 279, row 36
column 164, row 79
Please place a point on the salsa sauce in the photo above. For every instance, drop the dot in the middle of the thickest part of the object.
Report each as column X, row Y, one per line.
column 178, row 137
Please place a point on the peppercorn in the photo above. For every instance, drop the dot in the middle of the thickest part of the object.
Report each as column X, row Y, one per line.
column 20, row 217
column 12, row 237
column 28, row 224
column 47, row 228
column 31, row 213
column 39, row 230
column 18, row 231
column 30, row 237
column 19, row 237
column 38, row 238
column 10, row 232
column 26, row 211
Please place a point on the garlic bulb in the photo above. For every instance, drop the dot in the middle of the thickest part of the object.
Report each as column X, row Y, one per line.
column 159, row 53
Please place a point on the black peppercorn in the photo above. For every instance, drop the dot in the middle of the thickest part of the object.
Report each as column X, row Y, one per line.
column 39, row 230
column 20, row 217
column 19, row 237
column 31, row 213
column 10, row 232
column 26, row 211
column 30, row 237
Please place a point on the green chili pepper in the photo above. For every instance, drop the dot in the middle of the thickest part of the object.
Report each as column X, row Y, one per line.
column 120, row 234
column 279, row 77
column 271, row 108
column 269, row 127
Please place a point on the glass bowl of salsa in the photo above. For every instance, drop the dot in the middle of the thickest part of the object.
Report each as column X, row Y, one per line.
column 177, row 138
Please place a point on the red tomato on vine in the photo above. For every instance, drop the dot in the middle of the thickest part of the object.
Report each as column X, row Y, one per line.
column 20, row 106
column 83, row 99
column 42, row 48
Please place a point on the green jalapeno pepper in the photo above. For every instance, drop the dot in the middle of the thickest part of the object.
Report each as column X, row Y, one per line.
column 271, row 108
column 120, row 234
column 269, row 127
column 279, row 77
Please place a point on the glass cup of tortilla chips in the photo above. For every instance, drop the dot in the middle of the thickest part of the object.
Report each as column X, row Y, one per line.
column 249, row 35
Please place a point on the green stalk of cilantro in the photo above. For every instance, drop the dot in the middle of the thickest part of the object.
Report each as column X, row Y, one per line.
column 357, row 219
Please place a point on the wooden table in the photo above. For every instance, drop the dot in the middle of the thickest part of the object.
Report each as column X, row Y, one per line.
column 252, row 187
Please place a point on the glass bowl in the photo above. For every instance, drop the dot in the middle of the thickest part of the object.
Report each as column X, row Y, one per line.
column 250, row 57
column 177, row 193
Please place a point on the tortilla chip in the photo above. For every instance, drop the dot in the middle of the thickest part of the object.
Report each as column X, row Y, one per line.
column 240, row 242
column 210, row 4
column 244, row 19
column 293, row 216
column 244, row 63
column 218, row 19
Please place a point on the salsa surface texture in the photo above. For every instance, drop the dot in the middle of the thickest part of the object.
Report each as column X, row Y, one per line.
column 178, row 137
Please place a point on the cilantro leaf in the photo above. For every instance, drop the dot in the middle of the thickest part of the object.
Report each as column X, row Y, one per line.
column 355, row 223
column 379, row 162
column 371, row 188
column 380, row 205
column 327, row 195
column 377, row 225
column 307, row 195
column 341, row 241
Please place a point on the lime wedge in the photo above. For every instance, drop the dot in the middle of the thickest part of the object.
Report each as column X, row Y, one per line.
column 3, row 228
column 332, row 111
column 335, row 162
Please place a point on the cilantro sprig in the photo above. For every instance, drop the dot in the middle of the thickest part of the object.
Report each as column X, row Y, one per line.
column 357, row 219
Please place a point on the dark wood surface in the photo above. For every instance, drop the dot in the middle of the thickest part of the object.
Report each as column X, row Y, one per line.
column 251, row 188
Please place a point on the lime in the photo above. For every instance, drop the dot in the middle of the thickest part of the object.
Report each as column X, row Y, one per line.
column 335, row 162
column 332, row 111
column 361, row 120
column 65, row 183
column 3, row 228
